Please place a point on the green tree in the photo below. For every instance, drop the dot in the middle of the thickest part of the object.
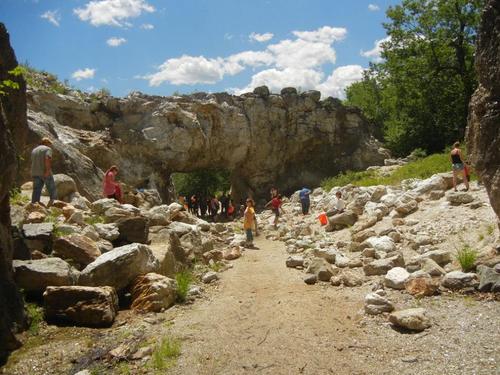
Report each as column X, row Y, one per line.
column 424, row 84
column 204, row 182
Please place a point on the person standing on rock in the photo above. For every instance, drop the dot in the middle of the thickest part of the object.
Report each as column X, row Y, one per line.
column 41, row 171
column 249, row 221
column 224, row 202
column 458, row 165
column 111, row 188
column 305, row 200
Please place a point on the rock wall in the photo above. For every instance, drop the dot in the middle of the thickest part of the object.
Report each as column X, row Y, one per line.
column 483, row 133
column 12, row 135
column 263, row 139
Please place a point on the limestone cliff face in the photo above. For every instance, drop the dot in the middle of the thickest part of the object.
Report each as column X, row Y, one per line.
column 287, row 140
column 483, row 134
column 12, row 135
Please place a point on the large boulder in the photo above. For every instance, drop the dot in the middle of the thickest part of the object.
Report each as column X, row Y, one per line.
column 167, row 253
column 80, row 249
column 108, row 232
column 36, row 275
column 343, row 220
column 38, row 236
column 153, row 293
column 489, row 279
column 119, row 267
column 133, row 229
column 384, row 244
column 483, row 132
column 65, row 186
column 459, row 280
column 81, row 305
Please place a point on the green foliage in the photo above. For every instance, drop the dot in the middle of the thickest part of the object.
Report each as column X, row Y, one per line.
column 467, row 256
column 44, row 81
column 489, row 229
column 35, row 316
column 95, row 219
column 165, row 354
column 420, row 93
column 203, row 183
column 184, row 280
column 17, row 198
column 421, row 168
column 216, row 266
column 10, row 84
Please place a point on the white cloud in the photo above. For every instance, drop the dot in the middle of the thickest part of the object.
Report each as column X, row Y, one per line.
column 373, row 7
column 325, row 34
column 147, row 26
column 339, row 80
column 375, row 52
column 228, row 36
column 112, row 12
column 52, row 16
column 86, row 73
column 291, row 62
column 190, row 70
column 252, row 58
column 261, row 37
column 115, row 42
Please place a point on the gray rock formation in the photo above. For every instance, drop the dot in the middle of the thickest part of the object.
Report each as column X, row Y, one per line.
column 12, row 137
column 286, row 140
column 483, row 133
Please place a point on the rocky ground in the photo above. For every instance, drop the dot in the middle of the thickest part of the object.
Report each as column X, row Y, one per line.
column 378, row 290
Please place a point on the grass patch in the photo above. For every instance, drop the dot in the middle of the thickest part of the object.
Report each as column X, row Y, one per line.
column 17, row 198
column 91, row 220
column 53, row 215
column 35, row 315
column 216, row 266
column 184, row 280
column 467, row 256
column 422, row 168
column 165, row 354
column 60, row 232
column 490, row 229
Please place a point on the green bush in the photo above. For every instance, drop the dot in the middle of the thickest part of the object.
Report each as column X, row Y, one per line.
column 184, row 280
column 421, row 168
column 467, row 256
column 35, row 316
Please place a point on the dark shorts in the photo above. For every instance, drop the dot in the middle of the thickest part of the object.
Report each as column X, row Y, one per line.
column 458, row 166
column 276, row 212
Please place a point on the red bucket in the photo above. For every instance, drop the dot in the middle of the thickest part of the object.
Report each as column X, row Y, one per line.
column 323, row 219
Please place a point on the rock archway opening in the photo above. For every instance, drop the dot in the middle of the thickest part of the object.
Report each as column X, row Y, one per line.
column 204, row 183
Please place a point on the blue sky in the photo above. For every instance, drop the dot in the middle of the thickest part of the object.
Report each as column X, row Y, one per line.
column 165, row 46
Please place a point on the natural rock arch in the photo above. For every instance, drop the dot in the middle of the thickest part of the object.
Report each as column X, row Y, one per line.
column 264, row 139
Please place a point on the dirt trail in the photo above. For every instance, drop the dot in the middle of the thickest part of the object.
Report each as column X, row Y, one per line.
column 266, row 320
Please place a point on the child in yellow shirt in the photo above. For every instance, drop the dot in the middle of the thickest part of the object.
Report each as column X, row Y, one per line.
column 249, row 221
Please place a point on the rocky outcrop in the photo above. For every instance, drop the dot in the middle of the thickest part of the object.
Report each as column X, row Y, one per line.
column 263, row 139
column 483, row 134
column 12, row 137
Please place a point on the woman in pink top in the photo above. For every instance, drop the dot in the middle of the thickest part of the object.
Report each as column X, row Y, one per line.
column 111, row 189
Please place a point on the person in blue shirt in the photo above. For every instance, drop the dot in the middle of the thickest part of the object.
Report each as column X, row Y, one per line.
column 304, row 200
